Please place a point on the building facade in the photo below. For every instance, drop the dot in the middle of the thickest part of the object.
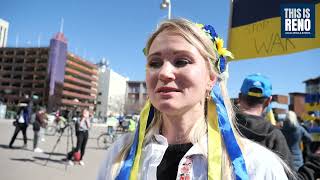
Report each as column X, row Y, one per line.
column 136, row 96
column 279, row 106
column 4, row 28
column 57, row 78
column 80, row 83
column 312, row 98
column 297, row 101
column 111, row 91
column 23, row 74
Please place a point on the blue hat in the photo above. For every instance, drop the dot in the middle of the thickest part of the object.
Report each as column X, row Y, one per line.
column 256, row 81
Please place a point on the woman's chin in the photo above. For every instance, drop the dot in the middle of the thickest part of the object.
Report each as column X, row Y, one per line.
column 168, row 108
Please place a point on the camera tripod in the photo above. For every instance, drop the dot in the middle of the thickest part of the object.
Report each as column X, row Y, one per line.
column 69, row 129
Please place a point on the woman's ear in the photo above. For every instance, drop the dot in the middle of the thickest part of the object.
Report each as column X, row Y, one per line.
column 212, row 80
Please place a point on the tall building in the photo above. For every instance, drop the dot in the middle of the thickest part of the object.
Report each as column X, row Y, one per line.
column 4, row 27
column 24, row 73
column 136, row 96
column 58, row 79
column 111, row 91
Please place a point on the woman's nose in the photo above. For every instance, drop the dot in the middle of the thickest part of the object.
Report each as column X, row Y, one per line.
column 166, row 73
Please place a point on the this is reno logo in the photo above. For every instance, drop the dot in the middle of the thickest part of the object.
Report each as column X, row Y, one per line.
column 297, row 20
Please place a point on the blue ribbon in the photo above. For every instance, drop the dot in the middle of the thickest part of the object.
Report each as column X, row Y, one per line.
column 233, row 149
column 128, row 163
column 222, row 64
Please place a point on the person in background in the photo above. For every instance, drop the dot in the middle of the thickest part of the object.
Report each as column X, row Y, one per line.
column 254, row 99
column 295, row 134
column 42, row 134
column 61, row 120
column 39, row 122
column 82, row 132
column 21, row 124
column 186, row 128
column 112, row 123
column 132, row 125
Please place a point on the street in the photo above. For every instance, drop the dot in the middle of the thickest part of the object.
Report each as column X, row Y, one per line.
column 18, row 163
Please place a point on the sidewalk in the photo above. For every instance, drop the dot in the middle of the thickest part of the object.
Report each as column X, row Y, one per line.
column 20, row 163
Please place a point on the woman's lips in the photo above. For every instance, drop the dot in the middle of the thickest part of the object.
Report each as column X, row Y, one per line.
column 164, row 90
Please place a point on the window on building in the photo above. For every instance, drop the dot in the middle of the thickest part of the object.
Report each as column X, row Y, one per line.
column 7, row 76
column 10, row 52
column 7, row 68
column 19, row 60
column 8, row 60
column 18, row 68
column 21, row 53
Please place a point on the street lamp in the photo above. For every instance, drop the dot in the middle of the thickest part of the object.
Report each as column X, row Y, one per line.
column 166, row 4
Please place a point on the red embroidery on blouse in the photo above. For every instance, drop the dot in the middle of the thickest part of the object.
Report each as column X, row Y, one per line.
column 184, row 172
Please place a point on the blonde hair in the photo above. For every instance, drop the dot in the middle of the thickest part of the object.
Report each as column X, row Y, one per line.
column 291, row 117
column 195, row 36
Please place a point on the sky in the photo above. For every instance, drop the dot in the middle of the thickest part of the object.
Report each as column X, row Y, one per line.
column 118, row 31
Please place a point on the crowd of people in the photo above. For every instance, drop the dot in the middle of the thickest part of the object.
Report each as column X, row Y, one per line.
column 39, row 120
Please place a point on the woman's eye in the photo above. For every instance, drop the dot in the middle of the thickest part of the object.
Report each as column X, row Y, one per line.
column 155, row 64
column 181, row 62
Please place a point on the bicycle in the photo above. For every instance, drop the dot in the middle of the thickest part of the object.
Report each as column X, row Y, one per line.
column 105, row 139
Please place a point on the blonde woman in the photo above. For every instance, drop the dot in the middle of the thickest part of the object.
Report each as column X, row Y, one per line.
column 295, row 134
column 185, row 129
column 82, row 127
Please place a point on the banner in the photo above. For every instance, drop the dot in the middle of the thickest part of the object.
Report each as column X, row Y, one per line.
column 259, row 28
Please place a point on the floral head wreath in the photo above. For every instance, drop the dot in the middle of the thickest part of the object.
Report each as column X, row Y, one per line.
column 218, row 42
column 219, row 128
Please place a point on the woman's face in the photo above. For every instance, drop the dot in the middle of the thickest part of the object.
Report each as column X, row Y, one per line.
column 85, row 113
column 177, row 75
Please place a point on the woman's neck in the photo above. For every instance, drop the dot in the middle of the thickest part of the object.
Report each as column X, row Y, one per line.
column 177, row 128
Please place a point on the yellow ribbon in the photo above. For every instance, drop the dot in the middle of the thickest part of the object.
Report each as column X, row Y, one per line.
column 142, row 129
column 270, row 116
column 214, row 144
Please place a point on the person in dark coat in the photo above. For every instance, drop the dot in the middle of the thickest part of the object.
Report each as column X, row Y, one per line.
column 254, row 98
column 21, row 123
column 40, row 121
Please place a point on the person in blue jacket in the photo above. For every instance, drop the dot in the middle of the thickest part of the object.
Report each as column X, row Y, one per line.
column 295, row 134
column 21, row 123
